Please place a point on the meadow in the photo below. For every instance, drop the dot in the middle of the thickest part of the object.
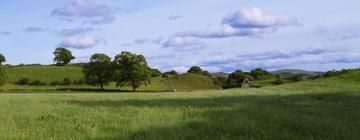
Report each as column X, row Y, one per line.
column 327, row 108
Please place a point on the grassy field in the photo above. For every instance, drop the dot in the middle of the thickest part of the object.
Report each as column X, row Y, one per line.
column 321, row 109
column 48, row 74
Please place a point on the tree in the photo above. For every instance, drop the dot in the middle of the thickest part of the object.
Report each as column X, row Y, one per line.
column 206, row 73
column 131, row 69
column 172, row 72
column 195, row 70
column 155, row 72
column 63, row 56
column 99, row 70
column 2, row 59
column 236, row 78
column 260, row 74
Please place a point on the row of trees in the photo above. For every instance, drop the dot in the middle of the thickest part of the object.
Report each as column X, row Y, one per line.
column 125, row 69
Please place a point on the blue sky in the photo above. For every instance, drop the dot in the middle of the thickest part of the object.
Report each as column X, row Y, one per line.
column 218, row 35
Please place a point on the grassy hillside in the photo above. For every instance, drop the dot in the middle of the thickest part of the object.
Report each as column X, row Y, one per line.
column 44, row 73
column 327, row 108
column 191, row 82
column 48, row 74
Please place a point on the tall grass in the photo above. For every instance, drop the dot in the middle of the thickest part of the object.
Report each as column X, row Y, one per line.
column 321, row 109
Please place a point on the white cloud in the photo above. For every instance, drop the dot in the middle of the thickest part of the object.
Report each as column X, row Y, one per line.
column 95, row 13
column 184, row 43
column 80, row 43
column 254, row 18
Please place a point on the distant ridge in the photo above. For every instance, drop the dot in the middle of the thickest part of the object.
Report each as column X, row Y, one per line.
column 286, row 73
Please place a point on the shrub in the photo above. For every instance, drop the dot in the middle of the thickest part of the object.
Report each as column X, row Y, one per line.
column 37, row 83
column 55, row 83
column 66, row 81
column 23, row 81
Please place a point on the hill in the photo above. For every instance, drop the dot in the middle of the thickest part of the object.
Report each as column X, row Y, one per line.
column 190, row 82
column 287, row 73
column 44, row 73
column 48, row 74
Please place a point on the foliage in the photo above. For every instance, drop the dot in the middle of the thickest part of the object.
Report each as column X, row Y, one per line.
column 236, row 78
column 67, row 81
column 260, row 74
column 2, row 59
column 279, row 80
column 99, row 71
column 37, row 83
column 206, row 73
column 195, row 70
column 170, row 73
column 3, row 75
column 23, row 81
column 155, row 72
column 131, row 69
column 63, row 56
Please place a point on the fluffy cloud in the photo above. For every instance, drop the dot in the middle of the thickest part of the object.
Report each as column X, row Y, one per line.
column 95, row 13
column 80, row 43
column 254, row 18
column 281, row 59
column 243, row 23
column 224, row 32
column 184, row 44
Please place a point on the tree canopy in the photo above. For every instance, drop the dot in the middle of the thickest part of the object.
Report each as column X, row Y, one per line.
column 2, row 58
column 131, row 69
column 99, row 71
column 63, row 56
column 195, row 70
column 260, row 74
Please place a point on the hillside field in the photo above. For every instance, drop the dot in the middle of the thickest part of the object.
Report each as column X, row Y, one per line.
column 327, row 108
column 48, row 74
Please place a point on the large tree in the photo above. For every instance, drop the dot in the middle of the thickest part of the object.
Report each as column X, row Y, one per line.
column 131, row 69
column 63, row 56
column 99, row 70
column 2, row 58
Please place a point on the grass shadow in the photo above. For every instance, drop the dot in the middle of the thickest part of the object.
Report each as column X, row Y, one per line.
column 307, row 116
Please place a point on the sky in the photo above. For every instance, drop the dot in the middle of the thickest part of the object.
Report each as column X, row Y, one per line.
column 218, row 35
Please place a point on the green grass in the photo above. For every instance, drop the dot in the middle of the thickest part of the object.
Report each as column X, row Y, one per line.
column 321, row 109
column 46, row 74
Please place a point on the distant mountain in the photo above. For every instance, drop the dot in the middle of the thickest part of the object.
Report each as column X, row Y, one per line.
column 286, row 73
column 219, row 74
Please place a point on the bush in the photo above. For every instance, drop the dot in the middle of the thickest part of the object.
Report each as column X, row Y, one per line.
column 37, row 83
column 55, row 83
column 66, row 81
column 23, row 81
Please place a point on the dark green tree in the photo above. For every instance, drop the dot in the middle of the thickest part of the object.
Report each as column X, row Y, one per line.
column 131, row 69
column 99, row 70
column 2, row 59
column 63, row 56
column 260, row 74
column 155, row 72
column 206, row 73
column 195, row 70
